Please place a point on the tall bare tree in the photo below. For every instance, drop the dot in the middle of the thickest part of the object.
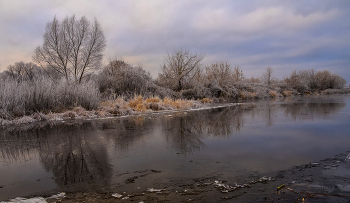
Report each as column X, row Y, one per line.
column 180, row 67
column 268, row 75
column 72, row 47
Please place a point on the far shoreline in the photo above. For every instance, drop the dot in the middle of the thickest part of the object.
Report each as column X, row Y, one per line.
column 78, row 114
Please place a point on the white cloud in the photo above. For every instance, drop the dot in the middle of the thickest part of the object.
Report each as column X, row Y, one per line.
column 250, row 34
column 262, row 21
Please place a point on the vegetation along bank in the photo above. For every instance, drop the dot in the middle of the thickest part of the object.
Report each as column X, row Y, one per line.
column 67, row 80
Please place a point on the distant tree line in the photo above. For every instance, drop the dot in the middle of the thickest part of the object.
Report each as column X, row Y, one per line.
column 67, row 71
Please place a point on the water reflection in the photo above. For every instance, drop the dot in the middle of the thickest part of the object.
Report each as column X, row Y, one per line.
column 81, row 152
column 183, row 134
column 310, row 111
column 71, row 152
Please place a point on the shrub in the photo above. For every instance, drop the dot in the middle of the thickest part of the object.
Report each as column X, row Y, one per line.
column 119, row 78
column 44, row 95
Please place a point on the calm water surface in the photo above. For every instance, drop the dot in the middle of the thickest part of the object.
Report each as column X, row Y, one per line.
column 229, row 142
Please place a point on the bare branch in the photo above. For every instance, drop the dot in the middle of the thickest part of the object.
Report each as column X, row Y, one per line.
column 180, row 67
column 72, row 47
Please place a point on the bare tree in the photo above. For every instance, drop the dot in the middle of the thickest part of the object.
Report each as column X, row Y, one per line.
column 268, row 75
column 180, row 67
column 22, row 71
column 72, row 47
column 298, row 80
column 121, row 78
column 220, row 73
column 237, row 74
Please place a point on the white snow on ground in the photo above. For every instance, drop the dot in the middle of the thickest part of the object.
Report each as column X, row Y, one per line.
column 154, row 190
column 35, row 199
column 116, row 195
column 347, row 158
column 24, row 200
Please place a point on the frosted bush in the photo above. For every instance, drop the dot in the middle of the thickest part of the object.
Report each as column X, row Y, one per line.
column 43, row 95
column 119, row 78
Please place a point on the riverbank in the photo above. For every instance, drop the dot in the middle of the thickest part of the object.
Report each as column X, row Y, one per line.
column 112, row 108
column 139, row 105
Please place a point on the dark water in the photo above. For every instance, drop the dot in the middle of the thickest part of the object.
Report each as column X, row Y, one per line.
column 229, row 142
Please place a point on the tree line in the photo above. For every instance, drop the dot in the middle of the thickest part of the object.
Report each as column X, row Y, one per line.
column 67, row 71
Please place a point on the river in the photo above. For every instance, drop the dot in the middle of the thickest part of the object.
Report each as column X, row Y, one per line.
column 233, row 143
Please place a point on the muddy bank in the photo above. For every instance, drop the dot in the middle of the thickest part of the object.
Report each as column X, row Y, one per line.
column 327, row 180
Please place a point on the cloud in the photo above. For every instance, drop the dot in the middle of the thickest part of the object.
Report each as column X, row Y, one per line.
column 254, row 35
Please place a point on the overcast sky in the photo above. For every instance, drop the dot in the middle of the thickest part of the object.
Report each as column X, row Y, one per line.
column 255, row 34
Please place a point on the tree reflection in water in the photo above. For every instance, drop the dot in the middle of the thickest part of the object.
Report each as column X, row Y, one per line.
column 185, row 132
column 70, row 152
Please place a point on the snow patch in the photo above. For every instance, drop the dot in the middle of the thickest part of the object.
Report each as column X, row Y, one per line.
column 24, row 200
column 347, row 158
column 153, row 190
column 35, row 199
column 116, row 195
column 58, row 196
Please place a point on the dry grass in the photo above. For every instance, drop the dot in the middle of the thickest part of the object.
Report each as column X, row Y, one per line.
column 177, row 104
column 153, row 100
column 115, row 107
column 206, row 100
column 139, row 105
column 247, row 95
column 286, row 93
column 273, row 94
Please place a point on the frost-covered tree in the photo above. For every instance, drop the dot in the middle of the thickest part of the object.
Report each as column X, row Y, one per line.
column 220, row 73
column 327, row 80
column 121, row 78
column 268, row 75
column 22, row 71
column 238, row 74
column 72, row 47
column 305, row 80
column 298, row 80
column 179, row 68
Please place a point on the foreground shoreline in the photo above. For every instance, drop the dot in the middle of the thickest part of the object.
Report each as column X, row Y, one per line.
column 325, row 180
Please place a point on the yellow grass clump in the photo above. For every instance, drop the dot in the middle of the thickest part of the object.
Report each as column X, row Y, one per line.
column 140, row 104
column 137, row 103
column 246, row 95
column 286, row 93
column 273, row 94
column 153, row 100
column 206, row 100
column 116, row 106
column 177, row 104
